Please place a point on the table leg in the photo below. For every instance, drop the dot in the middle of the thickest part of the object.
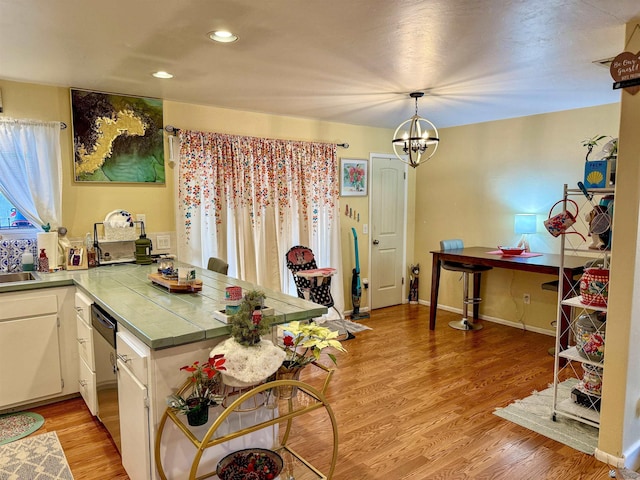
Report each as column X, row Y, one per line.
column 435, row 284
column 476, row 294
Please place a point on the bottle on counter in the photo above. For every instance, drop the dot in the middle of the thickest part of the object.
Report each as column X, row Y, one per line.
column 91, row 252
column 143, row 248
column 27, row 262
column 43, row 261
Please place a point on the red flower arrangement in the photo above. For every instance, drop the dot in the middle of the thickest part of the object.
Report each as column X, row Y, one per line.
column 206, row 383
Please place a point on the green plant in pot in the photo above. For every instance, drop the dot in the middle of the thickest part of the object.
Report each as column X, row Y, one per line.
column 303, row 343
column 205, row 389
column 248, row 324
column 609, row 150
column 252, row 359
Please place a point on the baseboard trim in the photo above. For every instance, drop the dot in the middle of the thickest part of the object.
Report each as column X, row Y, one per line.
column 500, row 321
column 609, row 459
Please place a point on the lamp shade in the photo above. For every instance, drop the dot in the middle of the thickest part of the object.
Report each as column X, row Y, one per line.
column 525, row 223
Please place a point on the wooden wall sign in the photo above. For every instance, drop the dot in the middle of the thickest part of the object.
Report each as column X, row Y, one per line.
column 625, row 70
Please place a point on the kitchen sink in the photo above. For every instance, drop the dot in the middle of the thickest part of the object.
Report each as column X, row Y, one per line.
column 16, row 277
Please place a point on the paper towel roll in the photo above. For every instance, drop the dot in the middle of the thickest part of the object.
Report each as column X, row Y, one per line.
column 49, row 241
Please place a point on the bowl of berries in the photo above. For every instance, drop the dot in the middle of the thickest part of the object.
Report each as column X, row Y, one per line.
column 250, row 464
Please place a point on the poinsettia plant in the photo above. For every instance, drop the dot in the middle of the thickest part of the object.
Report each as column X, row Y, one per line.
column 304, row 342
column 205, row 384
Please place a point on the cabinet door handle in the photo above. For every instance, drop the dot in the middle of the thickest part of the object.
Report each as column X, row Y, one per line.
column 123, row 358
column 82, row 341
column 83, row 383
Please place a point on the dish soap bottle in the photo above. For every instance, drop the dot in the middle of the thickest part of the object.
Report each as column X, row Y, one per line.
column 43, row 261
column 27, row 262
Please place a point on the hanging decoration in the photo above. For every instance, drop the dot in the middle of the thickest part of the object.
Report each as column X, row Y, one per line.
column 415, row 140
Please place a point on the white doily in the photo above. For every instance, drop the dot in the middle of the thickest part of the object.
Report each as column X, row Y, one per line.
column 247, row 366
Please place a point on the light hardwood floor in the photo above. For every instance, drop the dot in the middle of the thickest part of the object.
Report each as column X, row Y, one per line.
column 410, row 404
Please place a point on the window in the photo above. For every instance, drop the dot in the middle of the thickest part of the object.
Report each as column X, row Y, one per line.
column 30, row 174
column 10, row 217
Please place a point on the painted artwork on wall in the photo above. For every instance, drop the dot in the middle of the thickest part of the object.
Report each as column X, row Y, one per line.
column 117, row 138
column 353, row 177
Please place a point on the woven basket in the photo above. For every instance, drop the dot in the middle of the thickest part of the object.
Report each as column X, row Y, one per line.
column 594, row 287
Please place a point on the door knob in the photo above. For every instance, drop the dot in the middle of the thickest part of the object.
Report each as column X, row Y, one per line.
column 376, row 242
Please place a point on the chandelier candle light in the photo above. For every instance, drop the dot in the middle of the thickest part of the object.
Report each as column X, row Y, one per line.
column 413, row 138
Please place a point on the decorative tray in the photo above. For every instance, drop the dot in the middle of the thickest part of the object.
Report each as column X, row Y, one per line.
column 174, row 286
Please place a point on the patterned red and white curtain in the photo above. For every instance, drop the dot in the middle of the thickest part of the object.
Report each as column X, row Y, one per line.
column 248, row 200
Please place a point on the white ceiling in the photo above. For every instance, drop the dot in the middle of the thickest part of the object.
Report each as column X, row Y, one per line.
column 351, row 61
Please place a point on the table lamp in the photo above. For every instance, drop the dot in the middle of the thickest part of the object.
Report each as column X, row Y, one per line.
column 525, row 224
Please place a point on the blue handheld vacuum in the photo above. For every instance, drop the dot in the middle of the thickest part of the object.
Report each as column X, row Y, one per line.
column 356, row 288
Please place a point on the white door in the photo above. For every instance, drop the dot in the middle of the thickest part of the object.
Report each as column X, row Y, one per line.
column 387, row 235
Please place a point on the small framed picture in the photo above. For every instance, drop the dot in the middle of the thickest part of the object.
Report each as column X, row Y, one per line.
column 76, row 258
column 353, row 177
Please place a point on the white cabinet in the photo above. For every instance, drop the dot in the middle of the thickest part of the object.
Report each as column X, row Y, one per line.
column 38, row 358
column 30, row 350
column 581, row 324
column 87, row 363
column 133, row 402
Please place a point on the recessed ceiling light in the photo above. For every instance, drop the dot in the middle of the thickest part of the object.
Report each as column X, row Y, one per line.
column 222, row 36
column 162, row 74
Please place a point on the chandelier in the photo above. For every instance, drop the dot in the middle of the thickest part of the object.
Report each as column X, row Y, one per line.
column 415, row 140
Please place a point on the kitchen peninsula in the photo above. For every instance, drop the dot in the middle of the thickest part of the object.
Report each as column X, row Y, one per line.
column 158, row 332
column 158, row 318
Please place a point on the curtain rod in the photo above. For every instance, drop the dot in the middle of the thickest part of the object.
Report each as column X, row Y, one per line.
column 21, row 120
column 171, row 130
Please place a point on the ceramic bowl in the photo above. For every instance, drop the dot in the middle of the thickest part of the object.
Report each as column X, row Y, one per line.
column 265, row 464
column 511, row 250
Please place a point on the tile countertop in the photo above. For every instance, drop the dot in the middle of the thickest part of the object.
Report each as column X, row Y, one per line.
column 159, row 318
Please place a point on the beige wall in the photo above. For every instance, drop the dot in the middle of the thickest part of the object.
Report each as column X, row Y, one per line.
column 482, row 175
column 86, row 203
column 621, row 384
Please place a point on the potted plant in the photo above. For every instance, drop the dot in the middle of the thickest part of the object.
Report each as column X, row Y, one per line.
column 248, row 325
column 252, row 359
column 609, row 149
column 205, row 390
column 303, row 343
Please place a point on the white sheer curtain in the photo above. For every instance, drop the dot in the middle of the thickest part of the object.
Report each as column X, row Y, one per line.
column 31, row 169
column 248, row 200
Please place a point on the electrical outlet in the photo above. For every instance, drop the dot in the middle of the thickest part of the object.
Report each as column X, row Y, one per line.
column 526, row 298
column 141, row 217
column 163, row 242
column 365, row 229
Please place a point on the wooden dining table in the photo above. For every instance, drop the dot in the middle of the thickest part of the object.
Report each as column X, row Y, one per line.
column 546, row 263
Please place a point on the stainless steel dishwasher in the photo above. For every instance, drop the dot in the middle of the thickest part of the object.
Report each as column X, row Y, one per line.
column 104, row 344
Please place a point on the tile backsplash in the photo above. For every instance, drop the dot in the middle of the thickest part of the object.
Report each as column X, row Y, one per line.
column 11, row 251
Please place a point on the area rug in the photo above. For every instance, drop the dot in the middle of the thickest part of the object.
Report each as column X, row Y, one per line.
column 39, row 457
column 340, row 325
column 14, row 426
column 535, row 412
